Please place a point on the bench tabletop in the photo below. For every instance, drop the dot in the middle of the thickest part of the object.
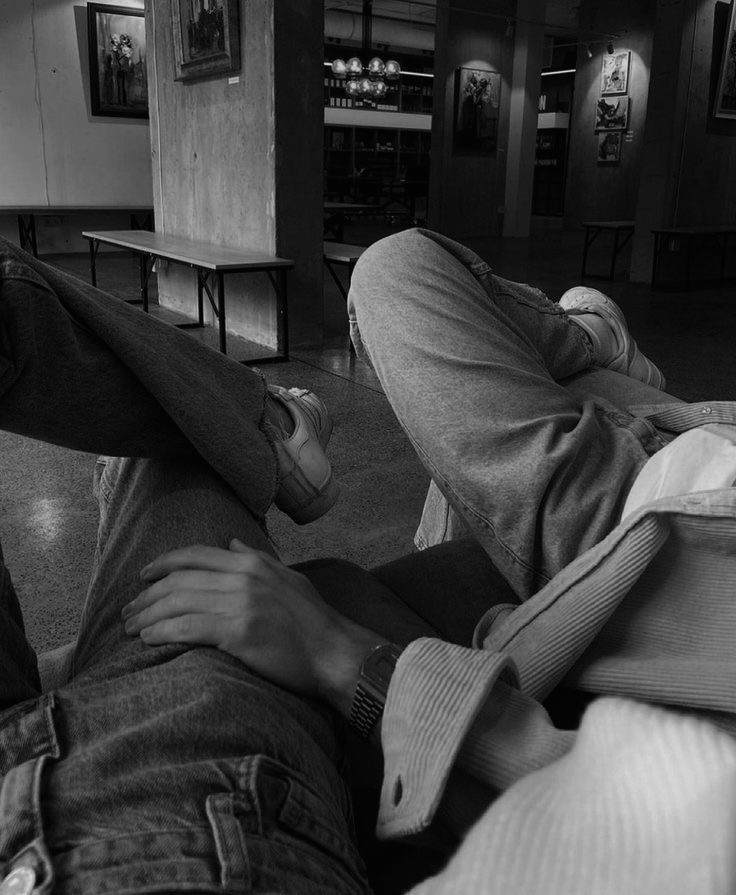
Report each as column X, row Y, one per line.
column 348, row 206
column 188, row 251
column 72, row 209
column 341, row 251
column 610, row 225
column 696, row 231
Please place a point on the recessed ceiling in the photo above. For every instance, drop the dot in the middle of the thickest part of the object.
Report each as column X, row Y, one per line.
column 560, row 15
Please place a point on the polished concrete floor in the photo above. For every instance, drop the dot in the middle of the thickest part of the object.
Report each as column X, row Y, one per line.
column 48, row 518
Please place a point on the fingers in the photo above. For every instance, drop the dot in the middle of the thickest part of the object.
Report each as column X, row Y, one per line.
column 200, row 628
column 199, row 556
column 149, row 608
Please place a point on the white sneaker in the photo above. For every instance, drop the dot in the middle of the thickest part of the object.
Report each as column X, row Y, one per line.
column 625, row 357
column 307, row 488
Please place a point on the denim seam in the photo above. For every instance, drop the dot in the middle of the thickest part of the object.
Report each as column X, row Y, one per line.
column 537, row 574
column 552, row 310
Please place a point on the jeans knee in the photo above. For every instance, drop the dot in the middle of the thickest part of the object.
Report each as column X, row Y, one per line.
column 385, row 265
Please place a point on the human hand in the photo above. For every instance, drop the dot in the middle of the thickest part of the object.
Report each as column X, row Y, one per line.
column 248, row 604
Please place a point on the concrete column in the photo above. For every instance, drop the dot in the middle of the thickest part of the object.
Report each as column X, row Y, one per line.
column 524, row 110
column 664, row 132
column 237, row 160
column 466, row 189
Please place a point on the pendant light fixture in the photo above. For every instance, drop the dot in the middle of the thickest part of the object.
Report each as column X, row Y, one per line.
column 371, row 81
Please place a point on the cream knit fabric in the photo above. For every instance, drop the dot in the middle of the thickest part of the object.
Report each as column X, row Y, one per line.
column 643, row 804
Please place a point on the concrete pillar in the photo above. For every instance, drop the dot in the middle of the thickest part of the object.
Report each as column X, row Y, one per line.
column 524, row 110
column 237, row 160
column 664, row 133
column 689, row 159
column 466, row 189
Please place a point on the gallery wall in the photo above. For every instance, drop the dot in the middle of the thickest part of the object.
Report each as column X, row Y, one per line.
column 467, row 185
column 607, row 189
column 53, row 151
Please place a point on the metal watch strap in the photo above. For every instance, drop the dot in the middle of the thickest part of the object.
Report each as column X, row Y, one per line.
column 364, row 712
column 372, row 686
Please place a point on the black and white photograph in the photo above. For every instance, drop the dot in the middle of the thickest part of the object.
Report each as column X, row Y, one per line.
column 367, row 447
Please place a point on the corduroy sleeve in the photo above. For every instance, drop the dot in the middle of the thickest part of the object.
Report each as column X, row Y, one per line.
column 447, row 707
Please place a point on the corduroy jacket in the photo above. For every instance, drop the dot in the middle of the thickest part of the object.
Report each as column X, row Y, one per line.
column 648, row 614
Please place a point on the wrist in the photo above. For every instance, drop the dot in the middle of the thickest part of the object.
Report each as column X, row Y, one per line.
column 340, row 663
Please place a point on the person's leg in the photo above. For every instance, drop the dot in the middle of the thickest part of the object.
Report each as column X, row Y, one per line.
column 174, row 767
column 84, row 370
column 469, row 362
column 18, row 667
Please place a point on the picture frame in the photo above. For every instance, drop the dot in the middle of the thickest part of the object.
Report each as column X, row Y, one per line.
column 477, row 104
column 118, row 79
column 615, row 73
column 206, row 38
column 725, row 101
column 609, row 147
column 612, row 114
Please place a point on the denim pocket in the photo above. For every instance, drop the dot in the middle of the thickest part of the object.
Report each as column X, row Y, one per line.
column 276, row 832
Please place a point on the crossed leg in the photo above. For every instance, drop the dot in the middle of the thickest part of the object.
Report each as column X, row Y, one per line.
column 165, row 766
column 470, row 363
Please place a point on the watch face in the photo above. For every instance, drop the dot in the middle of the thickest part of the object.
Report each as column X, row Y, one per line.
column 379, row 665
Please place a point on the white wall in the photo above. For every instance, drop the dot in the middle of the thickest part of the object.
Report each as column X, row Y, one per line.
column 52, row 150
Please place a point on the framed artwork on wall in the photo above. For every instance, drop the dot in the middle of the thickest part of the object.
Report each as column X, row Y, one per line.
column 116, row 37
column 609, row 147
column 725, row 104
column 612, row 114
column 615, row 73
column 206, row 38
column 477, row 102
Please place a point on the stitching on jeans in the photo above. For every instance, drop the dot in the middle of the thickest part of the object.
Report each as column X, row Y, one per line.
column 535, row 573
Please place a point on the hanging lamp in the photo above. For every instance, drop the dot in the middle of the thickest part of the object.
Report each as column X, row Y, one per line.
column 371, row 81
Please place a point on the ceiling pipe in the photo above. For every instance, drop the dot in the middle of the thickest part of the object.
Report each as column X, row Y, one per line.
column 347, row 27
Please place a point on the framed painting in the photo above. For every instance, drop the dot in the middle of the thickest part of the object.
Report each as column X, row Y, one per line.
column 609, row 147
column 477, row 102
column 725, row 104
column 612, row 114
column 615, row 73
column 118, row 81
column 206, row 38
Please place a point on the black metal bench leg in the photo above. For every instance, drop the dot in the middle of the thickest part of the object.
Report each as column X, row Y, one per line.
column 221, row 310
column 589, row 240
column 27, row 233
column 614, row 256
column 93, row 246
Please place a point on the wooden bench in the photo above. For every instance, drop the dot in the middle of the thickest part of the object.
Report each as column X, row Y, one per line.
column 681, row 241
column 343, row 254
column 141, row 218
column 593, row 230
column 209, row 261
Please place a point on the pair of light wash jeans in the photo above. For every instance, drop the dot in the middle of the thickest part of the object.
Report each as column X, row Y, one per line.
column 169, row 768
column 472, row 364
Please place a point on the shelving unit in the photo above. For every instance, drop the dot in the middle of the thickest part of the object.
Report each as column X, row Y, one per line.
column 378, row 151
column 413, row 94
column 550, row 167
column 381, row 166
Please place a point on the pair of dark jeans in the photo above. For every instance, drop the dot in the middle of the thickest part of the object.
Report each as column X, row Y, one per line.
column 162, row 768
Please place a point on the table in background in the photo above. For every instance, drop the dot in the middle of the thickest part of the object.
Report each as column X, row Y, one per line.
column 593, row 230
column 141, row 218
column 208, row 261
column 681, row 240
column 335, row 214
